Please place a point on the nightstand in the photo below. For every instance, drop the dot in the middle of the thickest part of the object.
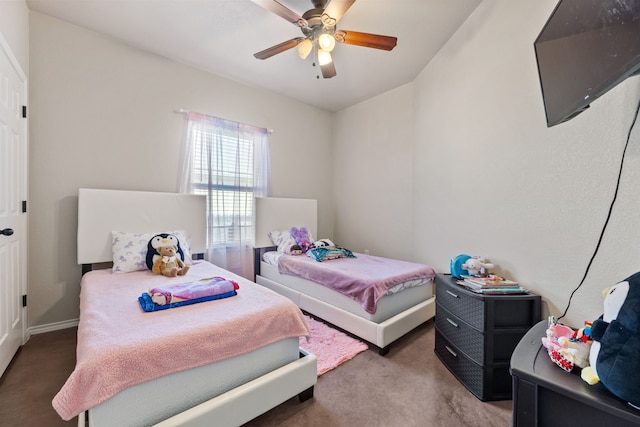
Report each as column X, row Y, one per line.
column 476, row 335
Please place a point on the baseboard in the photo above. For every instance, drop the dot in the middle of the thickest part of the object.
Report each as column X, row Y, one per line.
column 50, row 327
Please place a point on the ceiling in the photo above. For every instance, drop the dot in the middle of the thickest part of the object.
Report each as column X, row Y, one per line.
column 221, row 36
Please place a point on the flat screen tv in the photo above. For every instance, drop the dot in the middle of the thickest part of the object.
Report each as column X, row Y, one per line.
column 586, row 48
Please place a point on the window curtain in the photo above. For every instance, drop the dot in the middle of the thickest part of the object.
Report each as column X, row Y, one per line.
column 229, row 162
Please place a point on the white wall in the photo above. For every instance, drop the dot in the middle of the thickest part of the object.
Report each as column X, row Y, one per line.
column 14, row 27
column 102, row 116
column 459, row 161
column 489, row 178
column 372, row 168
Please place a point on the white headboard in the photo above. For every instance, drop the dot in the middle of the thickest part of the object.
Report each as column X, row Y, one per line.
column 274, row 213
column 102, row 211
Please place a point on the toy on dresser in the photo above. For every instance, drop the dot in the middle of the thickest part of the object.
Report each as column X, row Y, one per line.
column 477, row 266
column 465, row 265
column 615, row 353
column 568, row 348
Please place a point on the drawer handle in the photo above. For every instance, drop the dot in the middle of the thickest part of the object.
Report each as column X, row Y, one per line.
column 452, row 294
column 453, row 353
column 452, row 322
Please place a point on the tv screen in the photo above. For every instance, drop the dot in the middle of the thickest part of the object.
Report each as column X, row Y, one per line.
column 586, row 48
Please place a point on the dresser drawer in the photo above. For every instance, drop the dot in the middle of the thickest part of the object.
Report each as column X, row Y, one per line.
column 489, row 382
column 461, row 303
column 469, row 340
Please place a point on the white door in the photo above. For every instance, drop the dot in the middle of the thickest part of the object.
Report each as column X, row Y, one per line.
column 13, row 191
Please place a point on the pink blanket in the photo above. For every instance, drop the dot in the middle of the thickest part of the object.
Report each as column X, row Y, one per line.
column 119, row 345
column 364, row 279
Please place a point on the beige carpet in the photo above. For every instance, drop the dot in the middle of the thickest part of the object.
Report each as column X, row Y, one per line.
column 408, row 387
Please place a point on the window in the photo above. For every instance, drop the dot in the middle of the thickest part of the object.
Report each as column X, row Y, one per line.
column 229, row 163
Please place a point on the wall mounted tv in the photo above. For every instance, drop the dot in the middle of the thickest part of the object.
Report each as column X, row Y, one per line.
column 586, row 48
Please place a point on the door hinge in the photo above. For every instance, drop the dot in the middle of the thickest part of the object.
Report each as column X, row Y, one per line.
column 24, row 206
column 24, row 300
column 24, row 111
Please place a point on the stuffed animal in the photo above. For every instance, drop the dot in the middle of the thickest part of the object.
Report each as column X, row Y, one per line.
column 615, row 353
column 302, row 237
column 168, row 264
column 476, row 266
column 162, row 239
column 568, row 348
column 294, row 250
column 323, row 243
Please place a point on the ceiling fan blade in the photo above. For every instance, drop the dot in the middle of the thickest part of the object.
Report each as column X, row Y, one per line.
column 365, row 39
column 279, row 48
column 282, row 11
column 335, row 10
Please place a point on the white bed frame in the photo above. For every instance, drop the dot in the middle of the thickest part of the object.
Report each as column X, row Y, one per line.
column 102, row 211
column 281, row 214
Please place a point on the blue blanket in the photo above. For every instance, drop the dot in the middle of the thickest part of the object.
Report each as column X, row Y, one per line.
column 148, row 305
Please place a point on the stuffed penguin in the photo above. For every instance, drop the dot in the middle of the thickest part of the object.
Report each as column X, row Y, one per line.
column 615, row 352
column 162, row 239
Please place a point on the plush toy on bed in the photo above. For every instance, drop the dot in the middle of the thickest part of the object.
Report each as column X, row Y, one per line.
column 615, row 353
column 168, row 263
column 294, row 250
column 302, row 237
column 162, row 239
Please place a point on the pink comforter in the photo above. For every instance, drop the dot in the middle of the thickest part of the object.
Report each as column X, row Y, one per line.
column 364, row 279
column 119, row 345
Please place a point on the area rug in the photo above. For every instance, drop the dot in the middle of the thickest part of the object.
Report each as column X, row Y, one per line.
column 330, row 346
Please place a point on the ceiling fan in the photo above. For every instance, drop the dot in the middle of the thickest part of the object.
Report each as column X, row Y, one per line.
column 318, row 26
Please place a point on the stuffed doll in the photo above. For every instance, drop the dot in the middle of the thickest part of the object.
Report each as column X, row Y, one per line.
column 568, row 348
column 615, row 353
column 294, row 250
column 476, row 266
column 168, row 263
column 302, row 237
column 162, row 239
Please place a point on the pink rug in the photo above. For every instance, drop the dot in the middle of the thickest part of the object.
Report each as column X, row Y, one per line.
column 330, row 346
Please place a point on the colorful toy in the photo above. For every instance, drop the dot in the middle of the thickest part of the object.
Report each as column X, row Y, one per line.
column 476, row 266
column 568, row 348
column 168, row 263
column 294, row 250
column 302, row 237
column 162, row 239
column 615, row 353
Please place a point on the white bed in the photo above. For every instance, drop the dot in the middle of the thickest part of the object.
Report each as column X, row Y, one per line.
column 396, row 314
column 229, row 392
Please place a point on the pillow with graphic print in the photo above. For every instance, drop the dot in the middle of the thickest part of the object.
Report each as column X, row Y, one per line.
column 282, row 239
column 129, row 250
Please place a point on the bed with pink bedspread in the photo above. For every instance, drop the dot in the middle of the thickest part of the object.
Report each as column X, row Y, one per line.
column 120, row 345
column 216, row 359
column 377, row 299
column 363, row 278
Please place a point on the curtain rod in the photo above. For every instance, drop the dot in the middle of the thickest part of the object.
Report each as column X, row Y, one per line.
column 185, row 111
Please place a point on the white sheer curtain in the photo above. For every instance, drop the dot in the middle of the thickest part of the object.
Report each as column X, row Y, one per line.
column 230, row 163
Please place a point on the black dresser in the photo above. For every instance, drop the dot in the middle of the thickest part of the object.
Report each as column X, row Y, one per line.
column 476, row 335
column 546, row 396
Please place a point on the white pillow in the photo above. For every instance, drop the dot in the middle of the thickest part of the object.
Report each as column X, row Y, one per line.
column 130, row 249
column 282, row 239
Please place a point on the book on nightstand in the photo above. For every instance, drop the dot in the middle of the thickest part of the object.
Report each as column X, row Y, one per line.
column 491, row 284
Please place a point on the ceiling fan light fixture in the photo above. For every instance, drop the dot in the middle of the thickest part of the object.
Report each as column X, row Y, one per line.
column 304, row 48
column 324, row 57
column 326, row 42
